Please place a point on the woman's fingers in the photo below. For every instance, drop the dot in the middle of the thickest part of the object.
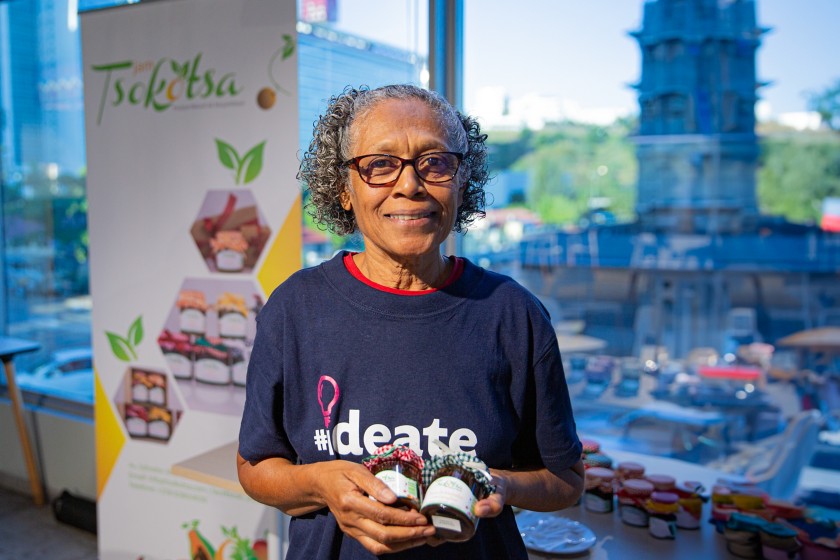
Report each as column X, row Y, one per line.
column 380, row 527
column 492, row 505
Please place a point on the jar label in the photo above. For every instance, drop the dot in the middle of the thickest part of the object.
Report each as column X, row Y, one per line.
column 453, row 493
column 446, row 523
column 662, row 528
column 192, row 321
column 633, row 515
column 687, row 520
column 232, row 325
column 180, row 365
column 596, row 503
column 230, row 261
column 401, row 485
column 212, row 371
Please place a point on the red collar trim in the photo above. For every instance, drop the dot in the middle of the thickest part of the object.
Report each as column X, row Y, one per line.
column 354, row 271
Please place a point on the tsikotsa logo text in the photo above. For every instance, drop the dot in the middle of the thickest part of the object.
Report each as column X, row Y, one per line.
column 160, row 85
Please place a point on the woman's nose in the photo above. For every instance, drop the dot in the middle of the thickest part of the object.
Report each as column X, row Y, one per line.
column 409, row 183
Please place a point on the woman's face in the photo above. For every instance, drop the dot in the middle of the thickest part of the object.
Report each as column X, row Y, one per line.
column 408, row 218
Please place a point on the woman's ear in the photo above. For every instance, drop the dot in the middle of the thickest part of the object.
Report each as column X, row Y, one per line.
column 344, row 199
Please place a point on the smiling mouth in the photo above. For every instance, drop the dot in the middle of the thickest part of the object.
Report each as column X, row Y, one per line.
column 409, row 217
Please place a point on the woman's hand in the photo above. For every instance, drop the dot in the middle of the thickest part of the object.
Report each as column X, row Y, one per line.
column 381, row 528
column 346, row 489
column 492, row 505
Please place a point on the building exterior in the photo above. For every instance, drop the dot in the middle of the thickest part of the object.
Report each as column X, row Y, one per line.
column 696, row 144
column 699, row 253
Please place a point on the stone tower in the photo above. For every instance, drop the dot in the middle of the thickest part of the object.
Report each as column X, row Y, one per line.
column 696, row 145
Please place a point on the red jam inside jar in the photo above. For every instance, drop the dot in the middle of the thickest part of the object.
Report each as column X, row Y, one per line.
column 401, row 469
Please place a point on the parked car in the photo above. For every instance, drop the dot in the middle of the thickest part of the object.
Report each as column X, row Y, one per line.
column 68, row 374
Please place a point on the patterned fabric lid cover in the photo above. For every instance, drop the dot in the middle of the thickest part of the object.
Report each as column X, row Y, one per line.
column 465, row 460
column 390, row 452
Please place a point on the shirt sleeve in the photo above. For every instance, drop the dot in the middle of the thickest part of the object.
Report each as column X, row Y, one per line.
column 548, row 433
column 261, row 433
column 556, row 431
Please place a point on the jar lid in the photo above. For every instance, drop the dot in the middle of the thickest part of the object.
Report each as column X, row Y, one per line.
column 390, row 452
column 664, row 497
column 745, row 522
column 590, row 446
column 464, row 460
column 600, row 472
column 661, row 480
column 637, row 486
column 779, row 530
column 630, row 467
column 597, row 460
column 692, row 486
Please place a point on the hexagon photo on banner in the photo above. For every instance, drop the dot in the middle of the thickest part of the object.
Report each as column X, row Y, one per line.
column 149, row 408
column 207, row 340
column 230, row 232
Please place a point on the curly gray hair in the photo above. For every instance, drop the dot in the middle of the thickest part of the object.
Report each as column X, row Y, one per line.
column 325, row 177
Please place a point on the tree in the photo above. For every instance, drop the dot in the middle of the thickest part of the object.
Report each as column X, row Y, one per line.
column 827, row 104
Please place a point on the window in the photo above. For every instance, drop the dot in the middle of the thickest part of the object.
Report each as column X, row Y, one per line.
column 640, row 227
column 44, row 252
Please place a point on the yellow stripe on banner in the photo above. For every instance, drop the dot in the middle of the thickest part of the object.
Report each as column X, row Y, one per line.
column 284, row 255
column 110, row 438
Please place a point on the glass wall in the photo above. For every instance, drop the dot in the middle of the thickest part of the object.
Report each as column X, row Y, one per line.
column 667, row 215
column 660, row 178
column 44, row 250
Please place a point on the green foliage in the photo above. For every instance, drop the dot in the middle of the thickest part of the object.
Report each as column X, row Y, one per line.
column 571, row 165
column 827, row 104
column 798, row 171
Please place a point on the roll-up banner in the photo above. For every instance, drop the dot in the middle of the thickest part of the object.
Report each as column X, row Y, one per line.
column 194, row 217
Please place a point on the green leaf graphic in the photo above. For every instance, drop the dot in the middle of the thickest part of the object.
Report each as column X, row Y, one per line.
column 120, row 347
column 252, row 163
column 180, row 70
column 135, row 331
column 227, row 155
column 288, row 46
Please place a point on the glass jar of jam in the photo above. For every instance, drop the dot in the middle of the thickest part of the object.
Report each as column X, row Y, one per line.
column 598, row 490
column 691, row 505
column 454, row 484
column 662, row 508
column 401, row 469
column 633, row 494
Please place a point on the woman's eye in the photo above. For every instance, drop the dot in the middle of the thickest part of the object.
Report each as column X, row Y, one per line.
column 381, row 163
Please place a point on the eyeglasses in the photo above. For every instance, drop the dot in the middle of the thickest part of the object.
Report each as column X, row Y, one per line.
column 378, row 170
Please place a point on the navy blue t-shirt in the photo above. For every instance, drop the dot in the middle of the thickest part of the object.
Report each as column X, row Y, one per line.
column 339, row 368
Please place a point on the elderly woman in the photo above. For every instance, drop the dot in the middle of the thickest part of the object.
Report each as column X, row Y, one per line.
column 400, row 344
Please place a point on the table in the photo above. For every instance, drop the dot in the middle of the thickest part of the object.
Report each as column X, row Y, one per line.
column 615, row 539
column 9, row 348
column 216, row 467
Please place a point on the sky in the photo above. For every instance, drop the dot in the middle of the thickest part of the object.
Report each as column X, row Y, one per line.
column 581, row 50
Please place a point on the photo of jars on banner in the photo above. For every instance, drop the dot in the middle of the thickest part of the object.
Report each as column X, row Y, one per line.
column 230, row 231
column 207, row 341
column 444, row 488
column 149, row 407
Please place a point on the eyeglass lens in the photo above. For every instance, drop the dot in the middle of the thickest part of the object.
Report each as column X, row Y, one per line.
column 436, row 167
